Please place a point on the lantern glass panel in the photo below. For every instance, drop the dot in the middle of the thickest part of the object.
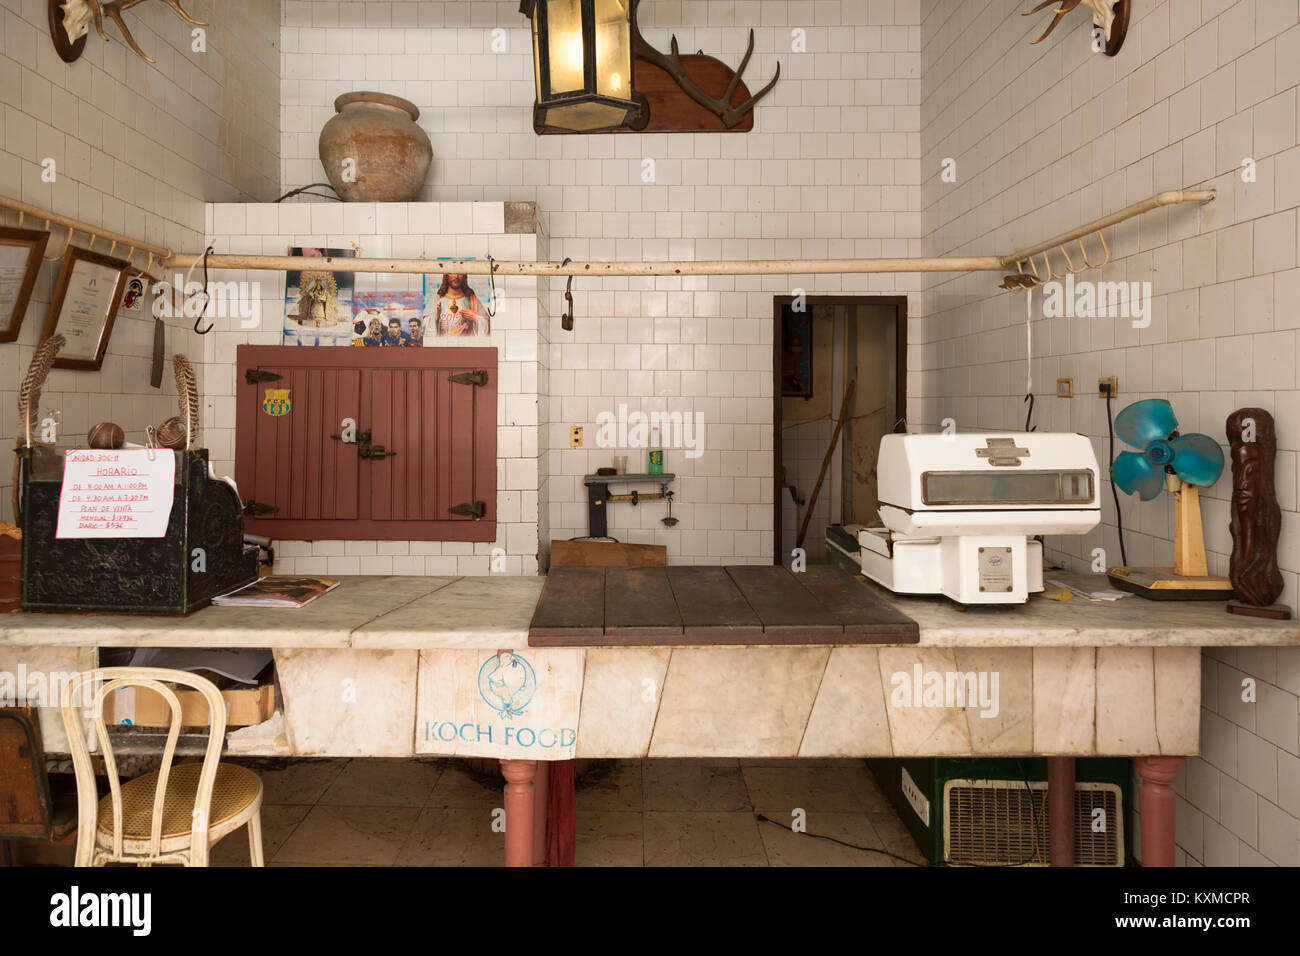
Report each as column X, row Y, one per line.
column 564, row 43
column 537, row 62
column 613, row 49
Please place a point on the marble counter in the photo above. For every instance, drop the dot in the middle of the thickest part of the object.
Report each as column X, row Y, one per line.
column 404, row 665
column 487, row 613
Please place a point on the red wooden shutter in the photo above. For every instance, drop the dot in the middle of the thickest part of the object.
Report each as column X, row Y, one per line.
column 409, row 402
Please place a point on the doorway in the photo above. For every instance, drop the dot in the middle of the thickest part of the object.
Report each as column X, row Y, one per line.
column 822, row 345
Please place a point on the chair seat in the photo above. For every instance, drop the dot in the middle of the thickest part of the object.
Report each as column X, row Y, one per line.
column 232, row 793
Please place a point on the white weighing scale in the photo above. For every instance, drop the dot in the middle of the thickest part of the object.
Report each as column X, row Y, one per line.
column 959, row 511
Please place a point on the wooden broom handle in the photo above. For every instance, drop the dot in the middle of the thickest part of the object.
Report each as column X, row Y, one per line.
column 826, row 462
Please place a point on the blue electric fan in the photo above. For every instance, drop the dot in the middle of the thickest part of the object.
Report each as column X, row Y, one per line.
column 1183, row 464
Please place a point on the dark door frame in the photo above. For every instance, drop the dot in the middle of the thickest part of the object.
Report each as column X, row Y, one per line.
column 900, row 376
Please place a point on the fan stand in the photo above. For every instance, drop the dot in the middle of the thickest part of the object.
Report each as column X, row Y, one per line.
column 1188, row 579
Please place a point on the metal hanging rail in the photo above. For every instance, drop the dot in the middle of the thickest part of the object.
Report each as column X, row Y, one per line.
column 169, row 259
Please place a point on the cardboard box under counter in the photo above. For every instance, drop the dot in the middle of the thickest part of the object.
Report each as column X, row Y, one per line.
column 141, row 707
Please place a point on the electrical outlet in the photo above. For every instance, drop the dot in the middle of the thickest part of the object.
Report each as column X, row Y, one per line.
column 1065, row 388
column 1107, row 387
column 575, row 436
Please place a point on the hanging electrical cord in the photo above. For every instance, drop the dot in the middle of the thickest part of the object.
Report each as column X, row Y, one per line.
column 304, row 190
column 491, row 307
column 1119, row 521
column 851, row 846
column 1029, row 358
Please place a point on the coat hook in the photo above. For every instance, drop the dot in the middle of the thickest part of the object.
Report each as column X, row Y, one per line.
column 66, row 245
column 207, row 296
column 566, row 320
column 1104, row 248
column 1048, row 263
column 1069, row 263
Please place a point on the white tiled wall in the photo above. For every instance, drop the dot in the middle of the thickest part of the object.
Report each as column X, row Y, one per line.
column 138, row 149
column 831, row 169
column 1046, row 137
column 451, row 229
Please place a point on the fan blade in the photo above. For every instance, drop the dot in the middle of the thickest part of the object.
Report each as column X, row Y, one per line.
column 1198, row 459
column 1145, row 421
column 1134, row 474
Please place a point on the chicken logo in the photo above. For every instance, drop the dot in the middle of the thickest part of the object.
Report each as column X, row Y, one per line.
column 507, row 682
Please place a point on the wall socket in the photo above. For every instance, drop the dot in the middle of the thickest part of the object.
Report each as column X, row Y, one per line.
column 1107, row 387
column 575, row 436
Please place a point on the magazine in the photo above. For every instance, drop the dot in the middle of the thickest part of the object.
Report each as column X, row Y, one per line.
column 277, row 591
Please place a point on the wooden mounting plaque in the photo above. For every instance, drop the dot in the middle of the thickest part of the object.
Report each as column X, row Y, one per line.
column 671, row 110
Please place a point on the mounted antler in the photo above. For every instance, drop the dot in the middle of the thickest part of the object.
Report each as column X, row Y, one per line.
column 1112, row 21
column 75, row 19
column 721, row 105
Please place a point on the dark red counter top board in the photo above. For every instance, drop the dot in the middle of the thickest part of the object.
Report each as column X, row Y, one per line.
column 745, row 604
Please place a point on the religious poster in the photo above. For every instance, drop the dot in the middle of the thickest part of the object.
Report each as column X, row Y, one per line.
column 458, row 305
column 318, row 305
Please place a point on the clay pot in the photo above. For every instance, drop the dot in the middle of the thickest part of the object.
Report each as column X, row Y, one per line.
column 375, row 142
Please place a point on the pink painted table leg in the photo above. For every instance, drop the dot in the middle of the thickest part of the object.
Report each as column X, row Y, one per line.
column 1060, row 810
column 519, row 810
column 1156, row 805
column 541, row 795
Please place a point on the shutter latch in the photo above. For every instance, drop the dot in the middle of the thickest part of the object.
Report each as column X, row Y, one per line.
column 254, row 375
column 476, row 510
column 470, row 378
column 254, row 508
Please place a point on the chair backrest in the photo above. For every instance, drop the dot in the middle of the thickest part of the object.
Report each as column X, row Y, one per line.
column 110, row 680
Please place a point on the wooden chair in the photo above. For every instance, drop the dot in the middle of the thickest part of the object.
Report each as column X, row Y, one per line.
column 173, row 814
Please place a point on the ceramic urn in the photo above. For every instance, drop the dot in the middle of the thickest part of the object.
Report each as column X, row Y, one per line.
column 373, row 150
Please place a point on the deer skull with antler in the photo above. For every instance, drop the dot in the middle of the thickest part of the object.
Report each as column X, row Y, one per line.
column 1109, row 16
column 78, row 15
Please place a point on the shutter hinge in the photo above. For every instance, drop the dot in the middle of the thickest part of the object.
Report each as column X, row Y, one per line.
column 471, row 378
column 254, row 375
column 476, row 510
column 254, row 508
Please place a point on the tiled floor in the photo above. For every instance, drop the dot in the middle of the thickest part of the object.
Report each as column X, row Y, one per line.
column 630, row 813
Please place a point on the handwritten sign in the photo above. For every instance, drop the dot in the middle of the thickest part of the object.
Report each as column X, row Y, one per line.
column 125, row 493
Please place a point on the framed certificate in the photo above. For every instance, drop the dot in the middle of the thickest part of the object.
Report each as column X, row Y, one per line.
column 85, row 303
column 20, row 261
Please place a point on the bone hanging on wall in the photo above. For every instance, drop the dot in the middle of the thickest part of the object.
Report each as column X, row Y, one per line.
column 1109, row 16
column 70, row 22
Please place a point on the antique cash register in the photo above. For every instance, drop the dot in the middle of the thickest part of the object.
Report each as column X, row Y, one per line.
column 958, row 512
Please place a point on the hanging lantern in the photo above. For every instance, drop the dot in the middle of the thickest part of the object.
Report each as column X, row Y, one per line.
column 582, row 60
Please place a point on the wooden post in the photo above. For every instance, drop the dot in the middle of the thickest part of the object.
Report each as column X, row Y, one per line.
column 1189, row 556
column 541, row 801
column 1060, row 810
column 519, row 810
column 1156, row 805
